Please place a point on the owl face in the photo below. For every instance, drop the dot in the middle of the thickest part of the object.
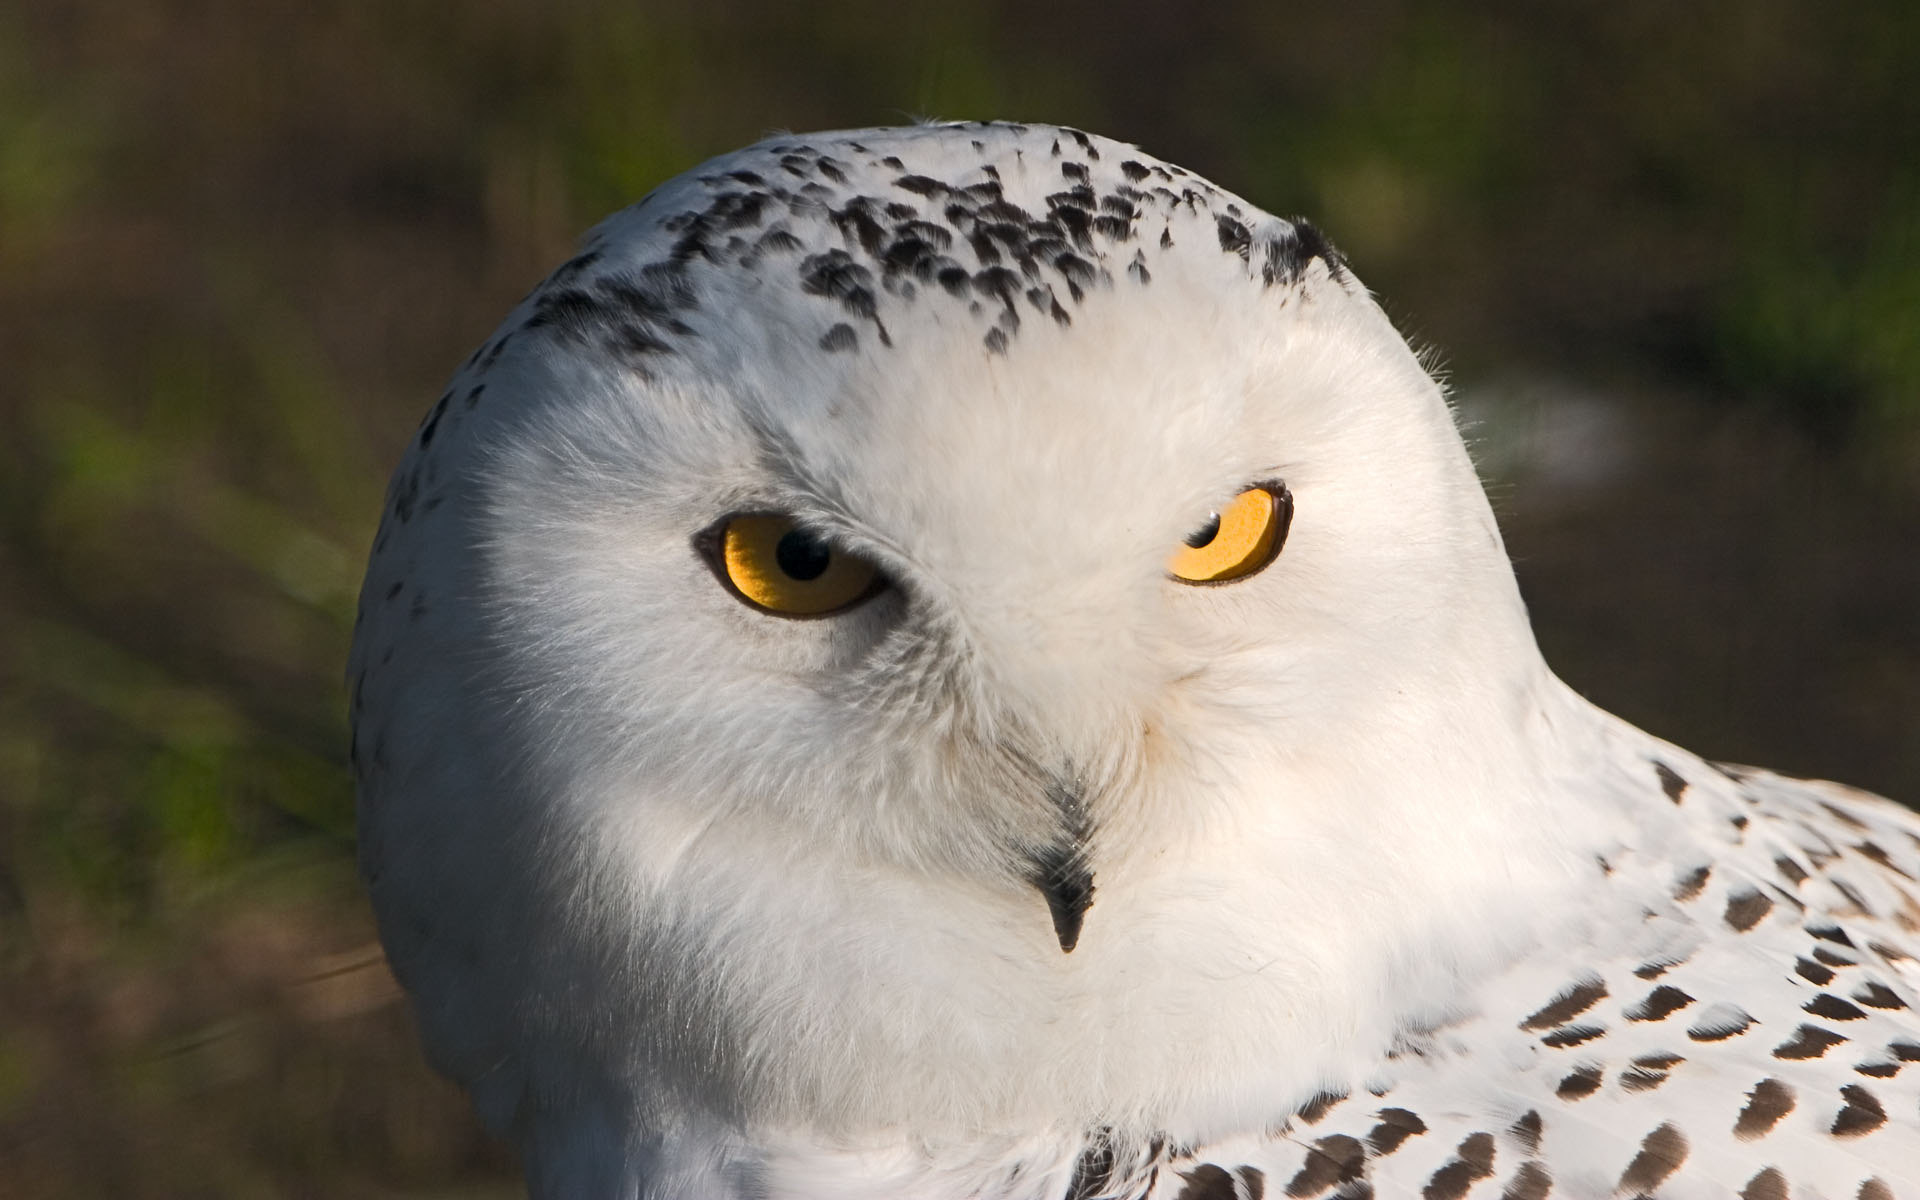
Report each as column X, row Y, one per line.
column 907, row 556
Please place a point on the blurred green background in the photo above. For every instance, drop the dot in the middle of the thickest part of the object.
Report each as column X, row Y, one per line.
column 1669, row 255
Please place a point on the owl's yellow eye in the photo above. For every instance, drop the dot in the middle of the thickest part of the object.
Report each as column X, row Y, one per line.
column 774, row 564
column 1238, row 540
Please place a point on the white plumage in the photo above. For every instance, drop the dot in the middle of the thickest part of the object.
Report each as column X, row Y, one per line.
column 701, row 898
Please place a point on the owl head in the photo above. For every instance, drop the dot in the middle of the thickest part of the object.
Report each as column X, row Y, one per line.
column 919, row 624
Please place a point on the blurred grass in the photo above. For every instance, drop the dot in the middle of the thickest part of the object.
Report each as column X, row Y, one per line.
column 242, row 242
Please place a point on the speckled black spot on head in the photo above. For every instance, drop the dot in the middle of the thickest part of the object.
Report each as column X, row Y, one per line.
column 1809, row 1041
column 1234, row 237
column 778, row 239
column 1330, row 1161
column 1833, row 958
column 1843, row 816
column 1659, row 1004
column 1077, row 271
column 1861, row 1115
column 1691, row 884
column 956, row 279
column 840, row 337
column 432, row 422
column 1288, row 254
column 1648, row 1071
column 1872, row 850
column 1473, row 1160
column 1891, row 953
column 1318, row 1106
column 499, row 346
column 919, row 185
column 1831, row 933
column 1531, row 1182
column 1075, row 171
column 1579, row 1083
column 1575, row 999
column 1573, row 1035
column 1853, row 896
column 1655, row 968
column 1396, row 1125
column 1526, row 1131
column 1812, row 972
column 1769, row 1184
column 1137, row 269
column 1833, row 1008
column 1878, row 995
column 1719, row 1024
column 1670, row 781
column 1662, row 1152
column 835, row 275
column 1747, row 908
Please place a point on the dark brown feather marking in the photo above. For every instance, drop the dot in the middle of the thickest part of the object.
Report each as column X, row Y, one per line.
column 1321, row 1103
column 1330, row 1160
column 1530, row 1182
column 1473, row 1160
column 1769, row 1101
column 1769, row 1184
column 1255, row 1180
column 1719, row 1026
column 1809, row 1041
column 1875, row 1189
column 1670, row 781
column 1569, row 1004
column 1579, row 1084
column 1659, row 1004
column 1395, row 1127
column 1207, row 1182
column 1526, row 1131
column 1661, row 1154
column 1692, row 883
column 1747, row 908
column 1573, row 1035
column 1862, row 1113
column 1878, row 995
column 1833, row 1008
column 1812, row 972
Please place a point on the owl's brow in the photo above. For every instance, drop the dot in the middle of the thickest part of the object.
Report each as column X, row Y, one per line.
column 812, row 496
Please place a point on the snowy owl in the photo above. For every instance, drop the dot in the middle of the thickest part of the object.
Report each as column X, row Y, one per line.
column 965, row 662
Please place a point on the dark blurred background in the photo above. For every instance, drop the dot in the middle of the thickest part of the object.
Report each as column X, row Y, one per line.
column 1669, row 257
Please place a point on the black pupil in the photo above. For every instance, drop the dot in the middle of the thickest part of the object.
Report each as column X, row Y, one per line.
column 801, row 555
column 1206, row 533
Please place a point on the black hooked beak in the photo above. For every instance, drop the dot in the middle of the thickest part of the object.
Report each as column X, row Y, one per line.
column 1060, row 869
